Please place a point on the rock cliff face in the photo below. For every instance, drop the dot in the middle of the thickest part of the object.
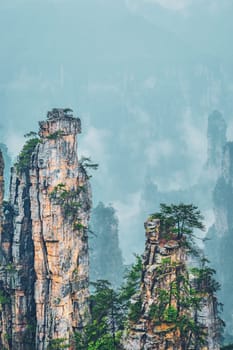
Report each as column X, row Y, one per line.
column 104, row 246
column 45, row 243
column 1, row 188
column 7, row 167
column 216, row 135
column 220, row 245
column 165, row 300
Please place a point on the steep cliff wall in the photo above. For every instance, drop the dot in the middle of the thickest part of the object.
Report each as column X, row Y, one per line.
column 46, row 258
column 216, row 135
column 1, row 188
column 7, row 167
column 220, row 245
column 104, row 246
column 168, row 317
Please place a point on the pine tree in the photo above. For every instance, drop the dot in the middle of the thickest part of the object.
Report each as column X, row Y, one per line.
column 105, row 329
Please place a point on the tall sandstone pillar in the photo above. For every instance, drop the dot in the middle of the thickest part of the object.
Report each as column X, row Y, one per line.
column 48, row 260
column 1, row 188
column 165, row 311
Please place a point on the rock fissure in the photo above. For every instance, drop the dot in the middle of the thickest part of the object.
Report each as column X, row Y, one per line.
column 172, row 312
column 46, row 264
column 41, row 245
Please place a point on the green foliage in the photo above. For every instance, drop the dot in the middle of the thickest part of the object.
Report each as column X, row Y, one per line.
column 58, row 344
column 180, row 219
column 132, row 308
column 187, row 294
column 109, row 310
column 135, row 311
column 78, row 225
column 10, row 267
column 56, row 135
column 7, row 336
column 191, row 331
column 106, row 342
column 204, row 279
column 31, row 134
column 67, row 199
column 79, row 341
column 86, row 164
column 31, row 327
column 157, row 311
column 3, row 298
column 177, row 306
column 24, row 158
column 69, row 203
column 170, row 314
column 57, row 301
column 181, row 305
column 132, row 281
column 166, row 261
column 154, row 312
column 105, row 329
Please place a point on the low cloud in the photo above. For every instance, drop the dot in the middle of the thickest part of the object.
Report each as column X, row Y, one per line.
column 94, row 143
column 175, row 5
column 182, row 6
column 14, row 143
column 128, row 212
column 195, row 143
column 101, row 87
column 157, row 150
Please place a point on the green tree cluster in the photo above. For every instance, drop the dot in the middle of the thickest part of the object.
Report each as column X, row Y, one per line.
column 178, row 306
column 110, row 311
column 106, row 326
column 181, row 219
column 68, row 200
column 58, row 344
column 189, row 289
column 24, row 159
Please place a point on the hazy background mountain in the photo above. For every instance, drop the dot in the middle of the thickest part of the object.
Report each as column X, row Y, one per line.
column 143, row 75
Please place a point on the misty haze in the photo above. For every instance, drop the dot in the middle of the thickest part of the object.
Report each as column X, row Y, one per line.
column 141, row 91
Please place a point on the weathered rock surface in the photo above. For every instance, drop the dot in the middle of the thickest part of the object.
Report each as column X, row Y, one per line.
column 104, row 246
column 1, row 187
column 46, row 254
column 220, row 245
column 164, row 282
column 7, row 167
column 216, row 135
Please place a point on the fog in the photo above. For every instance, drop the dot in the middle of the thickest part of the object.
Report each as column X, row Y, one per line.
column 143, row 76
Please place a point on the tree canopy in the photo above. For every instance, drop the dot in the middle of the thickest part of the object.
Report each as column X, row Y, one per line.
column 181, row 218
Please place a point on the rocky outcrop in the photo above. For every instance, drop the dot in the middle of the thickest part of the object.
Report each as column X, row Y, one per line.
column 165, row 301
column 216, row 135
column 220, row 244
column 7, row 167
column 1, row 188
column 46, row 255
column 104, row 246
